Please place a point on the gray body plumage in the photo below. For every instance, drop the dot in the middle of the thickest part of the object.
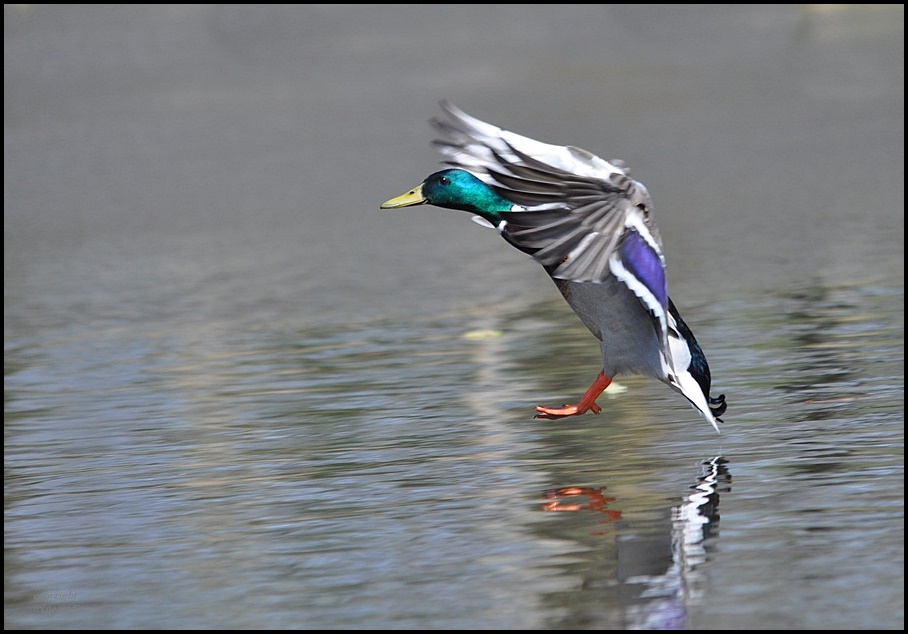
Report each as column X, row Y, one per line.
column 613, row 314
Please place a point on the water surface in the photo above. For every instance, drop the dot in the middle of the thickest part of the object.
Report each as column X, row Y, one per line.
column 239, row 395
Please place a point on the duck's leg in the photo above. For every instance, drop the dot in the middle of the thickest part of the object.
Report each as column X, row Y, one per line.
column 587, row 401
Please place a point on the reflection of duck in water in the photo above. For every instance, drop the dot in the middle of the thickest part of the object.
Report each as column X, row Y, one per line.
column 657, row 569
column 693, row 521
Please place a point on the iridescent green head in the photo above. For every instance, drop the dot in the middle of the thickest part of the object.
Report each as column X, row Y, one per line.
column 455, row 189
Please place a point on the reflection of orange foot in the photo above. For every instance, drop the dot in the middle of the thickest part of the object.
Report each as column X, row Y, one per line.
column 567, row 410
column 596, row 501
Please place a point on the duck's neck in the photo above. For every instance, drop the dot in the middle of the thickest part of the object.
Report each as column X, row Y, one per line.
column 486, row 204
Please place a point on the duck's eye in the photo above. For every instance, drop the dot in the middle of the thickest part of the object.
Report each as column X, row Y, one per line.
column 444, row 180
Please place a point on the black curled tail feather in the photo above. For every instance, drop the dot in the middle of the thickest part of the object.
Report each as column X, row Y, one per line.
column 718, row 406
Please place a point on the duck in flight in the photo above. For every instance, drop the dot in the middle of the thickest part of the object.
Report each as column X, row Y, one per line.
column 590, row 226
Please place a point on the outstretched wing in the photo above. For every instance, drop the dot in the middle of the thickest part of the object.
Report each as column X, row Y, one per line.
column 585, row 218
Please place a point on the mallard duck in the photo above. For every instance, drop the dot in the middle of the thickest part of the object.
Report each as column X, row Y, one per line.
column 590, row 225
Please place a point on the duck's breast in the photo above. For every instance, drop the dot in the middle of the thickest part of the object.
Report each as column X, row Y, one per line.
column 628, row 333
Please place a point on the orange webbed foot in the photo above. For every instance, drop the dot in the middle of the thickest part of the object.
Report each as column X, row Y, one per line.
column 565, row 411
column 587, row 401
